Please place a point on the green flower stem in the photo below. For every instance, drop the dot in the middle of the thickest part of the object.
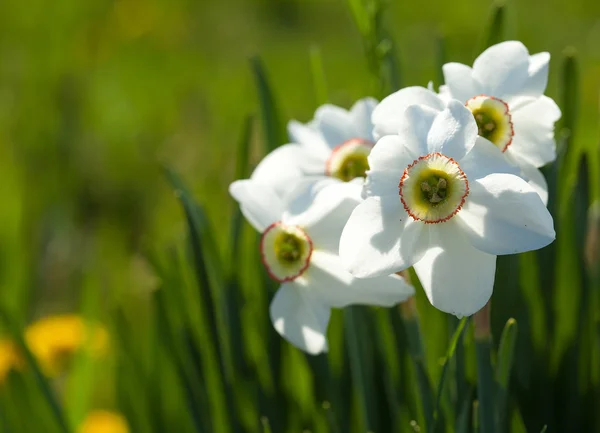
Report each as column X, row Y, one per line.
column 485, row 373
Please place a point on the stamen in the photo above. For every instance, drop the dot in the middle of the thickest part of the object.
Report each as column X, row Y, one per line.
column 433, row 188
column 285, row 251
column 493, row 119
column 349, row 160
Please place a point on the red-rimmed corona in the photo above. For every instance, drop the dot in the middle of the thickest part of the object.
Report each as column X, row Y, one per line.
column 349, row 160
column 433, row 188
column 285, row 251
column 493, row 118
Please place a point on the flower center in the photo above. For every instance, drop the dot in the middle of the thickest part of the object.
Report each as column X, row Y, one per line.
column 433, row 188
column 285, row 251
column 493, row 119
column 349, row 160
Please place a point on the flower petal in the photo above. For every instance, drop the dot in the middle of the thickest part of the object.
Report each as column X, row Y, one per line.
column 535, row 84
column 502, row 69
column 259, row 203
column 453, row 132
column 536, row 180
column 380, row 238
column 322, row 210
column 335, row 124
column 533, row 141
column 457, row 278
column 361, row 113
column 388, row 113
column 387, row 161
column 504, row 215
column 300, row 318
column 460, row 82
column 285, row 166
column 485, row 158
column 309, row 137
column 337, row 287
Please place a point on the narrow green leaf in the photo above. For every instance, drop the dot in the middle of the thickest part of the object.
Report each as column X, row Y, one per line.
column 506, row 352
column 417, row 353
column 273, row 131
column 440, row 59
column 211, row 280
column 333, row 424
column 318, row 75
column 464, row 414
column 265, row 424
column 495, row 28
column 357, row 369
column 40, row 378
column 361, row 17
column 569, row 91
column 485, row 381
column 453, row 343
column 241, row 172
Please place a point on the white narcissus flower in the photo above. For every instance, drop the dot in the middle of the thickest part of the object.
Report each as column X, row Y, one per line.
column 505, row 92
column 335, row 143
column 444, row 200
column 299, row 249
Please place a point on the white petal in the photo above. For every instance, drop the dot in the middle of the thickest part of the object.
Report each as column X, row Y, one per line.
column 535, row 178
column 485, row 158
column 285, row 166
column 380, row 238
column 300, row 318
column 322, row 210
column 536, row 83
column 333, row 284
column 453, row 131
column 533, row 141
column 456, row 277
column 361, row 113
column 259, row 203
column 460, row 82
column 309, row 137
column 388, row 114
column 502, row 69
column 335, row 124
column 387, row 161
column 504, row 215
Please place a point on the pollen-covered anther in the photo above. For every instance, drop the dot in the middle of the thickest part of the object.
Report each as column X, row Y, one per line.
column 493, row 119
column 349, row 160
column 285, row 251
column 433, row 188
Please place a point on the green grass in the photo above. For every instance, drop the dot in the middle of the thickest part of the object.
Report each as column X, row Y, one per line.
column 99, row 99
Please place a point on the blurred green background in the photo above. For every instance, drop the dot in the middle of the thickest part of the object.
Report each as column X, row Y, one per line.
column 96, row 96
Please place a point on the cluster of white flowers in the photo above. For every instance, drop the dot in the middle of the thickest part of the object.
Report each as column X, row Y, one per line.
column 441, row 182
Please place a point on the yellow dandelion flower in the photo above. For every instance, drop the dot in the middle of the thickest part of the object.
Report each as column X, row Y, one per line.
column 9, row 358
column 55, row 339
column 102, row 421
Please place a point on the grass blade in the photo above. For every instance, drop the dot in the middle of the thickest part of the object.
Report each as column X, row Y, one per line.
column 241, row 172
column 211, row 280
column 506, row 353
column 495, row 28
column 40, row 378
column 451, row 349
column 357, row 369
column 485, row 374
column 273, row 131
column 318, row 75
column 417, row 353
